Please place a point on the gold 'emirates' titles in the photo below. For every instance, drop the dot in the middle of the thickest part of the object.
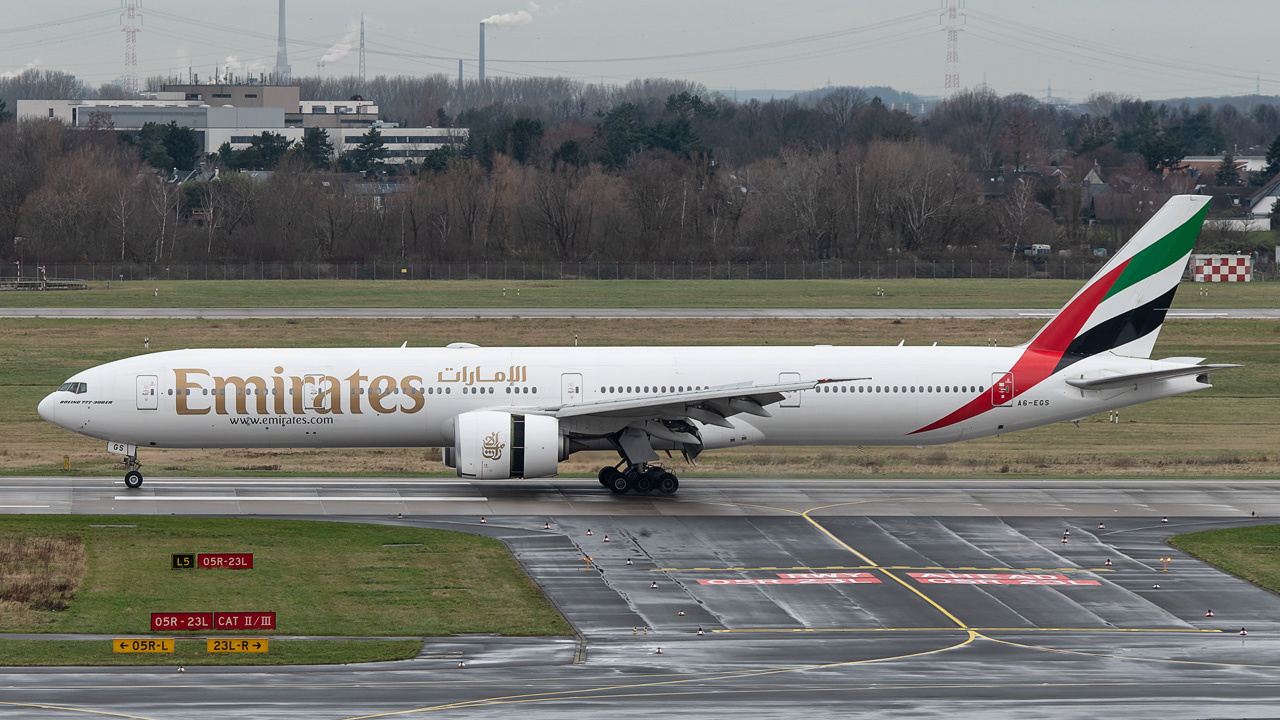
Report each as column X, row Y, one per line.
column 318, row 393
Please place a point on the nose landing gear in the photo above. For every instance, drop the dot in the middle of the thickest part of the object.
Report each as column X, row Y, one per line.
column 132, row 478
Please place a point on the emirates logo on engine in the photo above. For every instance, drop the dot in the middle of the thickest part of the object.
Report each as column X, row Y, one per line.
column 492, row 449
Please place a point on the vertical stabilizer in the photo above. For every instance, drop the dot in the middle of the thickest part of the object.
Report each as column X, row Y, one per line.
column 1122, row 307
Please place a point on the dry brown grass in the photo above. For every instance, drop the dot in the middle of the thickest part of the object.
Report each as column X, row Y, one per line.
column 1227, row 431
column 39, row 574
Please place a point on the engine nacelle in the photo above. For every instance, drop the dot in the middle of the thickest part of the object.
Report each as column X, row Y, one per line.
column 493, row 445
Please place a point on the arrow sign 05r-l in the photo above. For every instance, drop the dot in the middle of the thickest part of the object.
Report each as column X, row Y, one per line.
column 135, row 645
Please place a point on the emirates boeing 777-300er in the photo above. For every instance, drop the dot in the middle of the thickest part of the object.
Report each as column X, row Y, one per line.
column 516, row 412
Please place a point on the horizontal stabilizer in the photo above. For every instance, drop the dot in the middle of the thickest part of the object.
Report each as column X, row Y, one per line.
column 1115, row 381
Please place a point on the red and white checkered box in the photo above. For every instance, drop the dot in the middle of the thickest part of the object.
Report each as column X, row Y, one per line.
column 1221, row 268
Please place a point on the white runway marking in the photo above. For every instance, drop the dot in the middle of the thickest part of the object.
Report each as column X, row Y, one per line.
column 24, row 506
column 268, row 483
column 298, row 498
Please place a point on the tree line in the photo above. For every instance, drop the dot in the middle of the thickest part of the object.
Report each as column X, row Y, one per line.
column 656, row 170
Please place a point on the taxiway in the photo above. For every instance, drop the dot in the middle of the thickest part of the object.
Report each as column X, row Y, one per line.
column 894, row 598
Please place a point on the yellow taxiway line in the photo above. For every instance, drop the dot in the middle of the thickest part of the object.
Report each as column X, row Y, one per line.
column 935, row 568
column 974, row 629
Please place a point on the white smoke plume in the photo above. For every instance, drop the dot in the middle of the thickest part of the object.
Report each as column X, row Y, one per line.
column 15, row 73
column 514, row 19
column 343, row 47
column 181, row 57
column 511, row 19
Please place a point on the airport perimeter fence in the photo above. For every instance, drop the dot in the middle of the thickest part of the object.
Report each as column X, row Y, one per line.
column 519, row 271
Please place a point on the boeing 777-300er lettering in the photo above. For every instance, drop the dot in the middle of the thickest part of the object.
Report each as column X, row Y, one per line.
column 516, row 412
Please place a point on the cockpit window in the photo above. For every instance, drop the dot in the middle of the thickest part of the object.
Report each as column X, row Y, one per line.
column 74, row 387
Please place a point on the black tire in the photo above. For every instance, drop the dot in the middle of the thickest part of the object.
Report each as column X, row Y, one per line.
column 605, row 473
column 645, row 482
column 133, row 479
column 668, row 484
column 619, row 484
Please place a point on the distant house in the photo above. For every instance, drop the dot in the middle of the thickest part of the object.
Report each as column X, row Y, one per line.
column 1261, row 202
column 1236, row 208
column 1133, row 207
column 1208, row 164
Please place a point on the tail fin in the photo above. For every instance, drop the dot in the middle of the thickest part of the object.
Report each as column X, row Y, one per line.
column 1122, row 307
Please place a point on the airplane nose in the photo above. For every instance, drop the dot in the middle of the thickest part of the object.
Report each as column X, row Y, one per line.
column 47, row 407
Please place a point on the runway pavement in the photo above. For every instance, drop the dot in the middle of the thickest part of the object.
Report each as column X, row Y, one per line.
column 589, row 313
column 890, row 598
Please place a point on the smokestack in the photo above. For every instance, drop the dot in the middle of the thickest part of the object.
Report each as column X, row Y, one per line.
column 459, row 73
column 481, row 74
column 282, row 55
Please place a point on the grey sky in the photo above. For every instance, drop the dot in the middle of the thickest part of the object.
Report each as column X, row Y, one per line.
column 1153, row 49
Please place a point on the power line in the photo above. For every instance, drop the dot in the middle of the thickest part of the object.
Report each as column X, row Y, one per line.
column 1075, row 45
column 55, row 23
column 741, row 48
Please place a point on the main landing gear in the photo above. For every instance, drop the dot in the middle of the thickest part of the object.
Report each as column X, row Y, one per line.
column 132, row 478
column 642, row 478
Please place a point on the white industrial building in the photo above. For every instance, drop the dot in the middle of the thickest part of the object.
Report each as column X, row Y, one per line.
column 235, row 113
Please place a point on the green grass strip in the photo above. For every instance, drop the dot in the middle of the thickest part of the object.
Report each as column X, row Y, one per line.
column 1252, row 553
column 320, row 578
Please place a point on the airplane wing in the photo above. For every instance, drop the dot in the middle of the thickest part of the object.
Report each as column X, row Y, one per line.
column 711, row 406
column 1116, row 381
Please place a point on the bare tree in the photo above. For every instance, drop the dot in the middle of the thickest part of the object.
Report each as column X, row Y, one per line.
column 559, row 214
column 1017, row 210
column 124, row 203
column 806, row 201
column 164, row 199
column 653, row 197
column 839, row 107
column 924, row 186
column 466, row 195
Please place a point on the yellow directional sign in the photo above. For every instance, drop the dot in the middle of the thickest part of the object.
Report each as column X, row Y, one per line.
column 142, row 645
column 236, row 645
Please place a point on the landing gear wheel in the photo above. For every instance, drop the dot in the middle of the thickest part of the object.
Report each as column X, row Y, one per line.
column 644, row 482
column 668, row 484
column 605, row 473
column 133, row 479
column 619, row 484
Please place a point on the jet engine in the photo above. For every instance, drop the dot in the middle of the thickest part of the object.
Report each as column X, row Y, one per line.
column 493, row 445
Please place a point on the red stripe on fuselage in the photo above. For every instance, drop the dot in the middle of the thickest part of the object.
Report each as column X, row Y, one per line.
column 1043, row 353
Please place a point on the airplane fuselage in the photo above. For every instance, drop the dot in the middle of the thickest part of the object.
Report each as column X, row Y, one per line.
column 299, row 398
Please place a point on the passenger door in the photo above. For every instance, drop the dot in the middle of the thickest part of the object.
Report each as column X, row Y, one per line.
column 570, row 389
column 148, row 392
column 312, row 384
column 1002, row 389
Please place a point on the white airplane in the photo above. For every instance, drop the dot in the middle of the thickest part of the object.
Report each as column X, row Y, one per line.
column 516, row 412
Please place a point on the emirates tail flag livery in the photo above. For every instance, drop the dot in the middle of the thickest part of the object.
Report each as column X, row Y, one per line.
column 516, row 412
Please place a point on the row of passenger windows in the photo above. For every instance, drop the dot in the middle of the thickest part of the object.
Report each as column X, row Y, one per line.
column 649, row 388
column 76, row 387
column 611, row 389
column 900, row 388
column 511, row 390
column 822, row 388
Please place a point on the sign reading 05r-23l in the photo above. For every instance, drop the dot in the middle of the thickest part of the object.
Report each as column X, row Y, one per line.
column 207, row 561
column 213, row 621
